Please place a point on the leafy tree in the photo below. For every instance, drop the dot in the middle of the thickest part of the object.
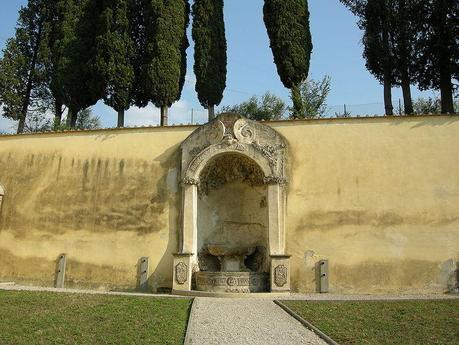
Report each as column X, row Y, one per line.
column 21, row 73
column 287, row 23
column 425, row 106
column 163, row 66
column 268, row 107
column 313, row 98
column 115, row 56
column 439, row 48
column 37, row 122
column 87, row 120
column 209, row 52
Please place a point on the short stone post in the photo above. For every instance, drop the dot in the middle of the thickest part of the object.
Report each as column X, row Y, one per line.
column 322, row 276
column 60, row 271
column 143, row 267
column 280, row 273
column 183, row 272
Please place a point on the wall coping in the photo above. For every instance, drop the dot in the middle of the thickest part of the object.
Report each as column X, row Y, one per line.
column 191, row 127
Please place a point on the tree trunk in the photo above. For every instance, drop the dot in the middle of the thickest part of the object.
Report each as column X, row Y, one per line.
column 57, row 114
column 164, row 115
column 446, row 90
column 211, row 112
column 21, row 125
column 297, row 103
column 72, row 117
column 121, row 118
column 407, row 100
column 30, row 77
column 388, row 97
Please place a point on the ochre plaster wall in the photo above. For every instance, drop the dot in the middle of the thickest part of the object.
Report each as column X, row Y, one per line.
column 104, row 198
column 377, row 197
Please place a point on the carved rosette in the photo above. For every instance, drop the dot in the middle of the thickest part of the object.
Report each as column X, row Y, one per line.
column 181, row 272
column 280, row 275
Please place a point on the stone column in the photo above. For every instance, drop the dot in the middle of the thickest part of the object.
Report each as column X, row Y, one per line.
column 184, row 261
column 183, row 272
column 189, row 219
column 280, row 273
column 276, row 221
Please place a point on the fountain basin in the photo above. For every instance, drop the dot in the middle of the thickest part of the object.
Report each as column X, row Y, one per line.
column 225, row 250
column 234, row 282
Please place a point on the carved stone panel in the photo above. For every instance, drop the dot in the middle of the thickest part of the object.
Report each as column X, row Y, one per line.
column 280, row 275
column 234, row 282
column 181, row 271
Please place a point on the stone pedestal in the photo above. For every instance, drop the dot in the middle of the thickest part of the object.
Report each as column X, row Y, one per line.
column 280, row 273
column 183, row 270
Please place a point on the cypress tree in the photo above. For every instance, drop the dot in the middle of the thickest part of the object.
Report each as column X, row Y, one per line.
column 115, row 50
column 166, row 22
column 287, row 23
column 82, row 82
column 438, row 45
column 378, row 50
column 53, row 54
column 405, row 35
column 21, row 68
column 209, row 52
column 137, row 30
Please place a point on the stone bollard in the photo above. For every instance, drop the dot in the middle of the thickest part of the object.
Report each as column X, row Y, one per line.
column 143, row 266
column 60, row 271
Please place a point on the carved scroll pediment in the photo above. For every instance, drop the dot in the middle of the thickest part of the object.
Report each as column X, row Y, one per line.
column 232, row 133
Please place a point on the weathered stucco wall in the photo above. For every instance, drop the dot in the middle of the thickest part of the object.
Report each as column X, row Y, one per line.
column 379, row 198
column 103, row 198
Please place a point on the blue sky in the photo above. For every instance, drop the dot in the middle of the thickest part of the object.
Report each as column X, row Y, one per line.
column 251, row 71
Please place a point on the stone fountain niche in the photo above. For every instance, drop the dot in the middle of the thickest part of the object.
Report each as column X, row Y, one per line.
column 233, row 209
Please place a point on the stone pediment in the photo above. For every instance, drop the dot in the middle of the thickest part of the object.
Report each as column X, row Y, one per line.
column 233, row 133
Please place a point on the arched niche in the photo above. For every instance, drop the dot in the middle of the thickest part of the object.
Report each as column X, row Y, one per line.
column 232, row 135
column 232, row 210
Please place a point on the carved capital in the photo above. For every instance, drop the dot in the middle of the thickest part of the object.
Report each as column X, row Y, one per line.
column 190, row 181
column 275, row 180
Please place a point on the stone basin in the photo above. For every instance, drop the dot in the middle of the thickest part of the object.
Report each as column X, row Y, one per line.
column 231, row 257
column 226, row 250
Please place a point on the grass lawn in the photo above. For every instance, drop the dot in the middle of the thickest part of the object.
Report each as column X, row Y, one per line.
column 384, row 322
column 51, row 318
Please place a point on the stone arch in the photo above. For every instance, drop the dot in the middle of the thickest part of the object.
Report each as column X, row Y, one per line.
column 233, row 134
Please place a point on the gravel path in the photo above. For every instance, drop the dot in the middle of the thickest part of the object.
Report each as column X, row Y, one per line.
column 219, row 321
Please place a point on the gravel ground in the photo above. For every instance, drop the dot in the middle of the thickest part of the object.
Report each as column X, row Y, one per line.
column 11, row 287
column 332, row 297
column 220, row 321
